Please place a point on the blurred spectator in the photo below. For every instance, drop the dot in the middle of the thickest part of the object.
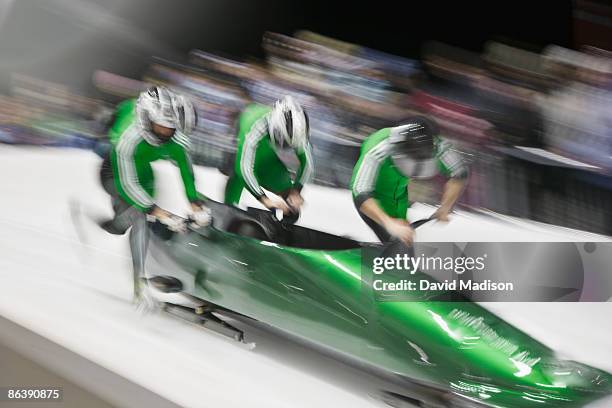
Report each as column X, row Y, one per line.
column 517, row 115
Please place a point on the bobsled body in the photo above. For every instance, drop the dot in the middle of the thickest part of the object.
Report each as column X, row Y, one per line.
column 309, row 284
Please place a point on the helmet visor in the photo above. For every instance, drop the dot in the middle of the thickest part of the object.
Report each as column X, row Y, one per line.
column 164, row 120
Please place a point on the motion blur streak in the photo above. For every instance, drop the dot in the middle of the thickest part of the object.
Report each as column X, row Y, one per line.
column 535, row 124
column 530, row 111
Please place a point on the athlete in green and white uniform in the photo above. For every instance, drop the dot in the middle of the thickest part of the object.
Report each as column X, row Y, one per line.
column 154, row 127
column 388, row 159
column 134, row 151
column 262, row 132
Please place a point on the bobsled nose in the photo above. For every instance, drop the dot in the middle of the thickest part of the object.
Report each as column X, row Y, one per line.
column 572, row 374
column 576, row 381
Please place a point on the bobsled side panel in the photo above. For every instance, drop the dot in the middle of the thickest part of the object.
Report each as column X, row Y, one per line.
column 319, row 296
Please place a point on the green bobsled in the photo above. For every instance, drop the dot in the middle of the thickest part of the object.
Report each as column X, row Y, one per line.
column 309, row 284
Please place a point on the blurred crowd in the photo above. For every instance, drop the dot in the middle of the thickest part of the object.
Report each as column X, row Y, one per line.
column 518, row 115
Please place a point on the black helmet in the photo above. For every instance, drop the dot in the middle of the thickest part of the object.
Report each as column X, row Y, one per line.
column 413, row 147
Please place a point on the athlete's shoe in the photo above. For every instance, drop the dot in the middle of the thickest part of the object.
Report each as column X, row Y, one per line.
column 112, row 228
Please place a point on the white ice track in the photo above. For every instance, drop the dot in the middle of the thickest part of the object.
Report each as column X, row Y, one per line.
column 76, row 292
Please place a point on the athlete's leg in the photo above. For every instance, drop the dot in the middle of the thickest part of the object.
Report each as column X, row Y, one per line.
column 125, row 217
column 139, row 239
column 106, row 175
column 120, row 222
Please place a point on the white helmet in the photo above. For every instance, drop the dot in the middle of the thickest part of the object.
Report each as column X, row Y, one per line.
column 161, row 106
column 288, row 124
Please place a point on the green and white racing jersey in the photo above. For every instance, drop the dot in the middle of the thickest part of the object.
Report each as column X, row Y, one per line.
column 375, row 175
column 132, row 155
column 257, row 163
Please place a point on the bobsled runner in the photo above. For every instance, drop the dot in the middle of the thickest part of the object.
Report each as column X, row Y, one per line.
column 309, row 284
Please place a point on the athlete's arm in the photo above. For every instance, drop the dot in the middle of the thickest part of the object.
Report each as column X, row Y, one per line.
column 182, row 157
column 304, row 175
column 256, row 134
column 247, row 159
column 306, row 171
column 453, row 166
column 127, row 177
column 452, row 191
column 371, row 208
column 363, row 188
column 366, row 172
column 396, row 227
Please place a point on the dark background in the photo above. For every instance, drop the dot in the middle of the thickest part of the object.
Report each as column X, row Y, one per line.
column 398, row 27
column 65, row 40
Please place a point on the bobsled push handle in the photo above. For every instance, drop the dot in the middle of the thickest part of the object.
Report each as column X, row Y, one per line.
column 284, row 219
column 396, row 246
column 418, row 223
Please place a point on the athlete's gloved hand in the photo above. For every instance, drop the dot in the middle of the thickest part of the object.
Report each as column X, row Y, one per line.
column 400, row 229
column 272, row 203
column 295, row 200
column 201, row 216
column 172, row 222
column 441, row 215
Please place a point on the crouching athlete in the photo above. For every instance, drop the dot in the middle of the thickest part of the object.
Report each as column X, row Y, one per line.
column 156, row 126
column 388, row 159
column 263, row 132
